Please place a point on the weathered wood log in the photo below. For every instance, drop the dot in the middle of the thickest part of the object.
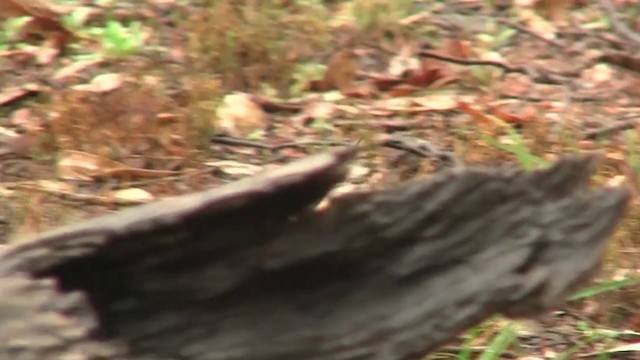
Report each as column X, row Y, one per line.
column 251, row 270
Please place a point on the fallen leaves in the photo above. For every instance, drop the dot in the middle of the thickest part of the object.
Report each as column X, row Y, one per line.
column 102, row 83
column 340, row 74
column 555, row 10
column 75, row 69
column 537, row 24
column 129, row 196
column 39, row 9
column 18, row 145
column 239, row 115
column 438, row 101
column 406, row 73
column 14, row 93
column 598, row 75
column 416, row 105
column 45, row 18
column 316, row 109
column 116, row 117
column 125, row 135
column 497, row 111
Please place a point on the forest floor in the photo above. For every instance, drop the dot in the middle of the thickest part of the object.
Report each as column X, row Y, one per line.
column 108, row 104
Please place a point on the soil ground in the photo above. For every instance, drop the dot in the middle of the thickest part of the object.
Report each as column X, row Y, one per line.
column 213, row 91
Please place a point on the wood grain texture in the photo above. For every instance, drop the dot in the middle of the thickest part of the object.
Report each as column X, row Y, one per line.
column 251, row 271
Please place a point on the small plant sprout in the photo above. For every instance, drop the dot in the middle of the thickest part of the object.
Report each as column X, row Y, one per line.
column 119, row 40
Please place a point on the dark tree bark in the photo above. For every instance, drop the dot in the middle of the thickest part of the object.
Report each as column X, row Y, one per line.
column 251, row 271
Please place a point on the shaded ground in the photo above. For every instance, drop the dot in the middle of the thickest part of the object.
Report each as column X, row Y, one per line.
column 421, row 85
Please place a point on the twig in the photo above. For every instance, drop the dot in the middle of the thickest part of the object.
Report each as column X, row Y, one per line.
column 421, row 148
column 459, row 61
column 227, row 140
column 542, row 78
column 618, row 25
column 612, row 129
column 388, row 124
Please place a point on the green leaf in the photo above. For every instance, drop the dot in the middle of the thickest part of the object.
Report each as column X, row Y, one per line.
column 604, row 287
column 499, row 344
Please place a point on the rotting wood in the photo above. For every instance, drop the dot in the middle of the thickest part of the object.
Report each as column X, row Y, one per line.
column 251, row 271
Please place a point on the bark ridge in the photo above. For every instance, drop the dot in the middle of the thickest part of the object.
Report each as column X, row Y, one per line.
column 251, row 270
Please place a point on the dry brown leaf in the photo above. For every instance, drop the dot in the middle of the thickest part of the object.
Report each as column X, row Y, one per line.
column 457, row 48
column 394, row 104
column 341, row 72
column 75, row 68
column 598, row 74
column 415, row 74
column 513, row 114
column 239, row 115
column 537, row 23
column 48, row 52
column 102, row 83
column 555, row 10
column 445, row 79
column 20, row 145
column 381, row 112
column 78, row 165
column 11, row 94
column 430, row 71
column 315, row 110
column 348, row 109
column 447, row 101
column 131, row 195
column 416, row 18
column 46, row 17
column 403, row 90
column 18, row 56
column 482, row 120
column 22, row 117
column 36, row 8
column 516, row 85
column 384, row 82
column 53, row 187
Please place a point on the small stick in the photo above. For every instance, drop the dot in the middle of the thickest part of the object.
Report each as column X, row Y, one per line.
column 610, row 130
column 616, row 24
column 542, row 78
column 459, row 61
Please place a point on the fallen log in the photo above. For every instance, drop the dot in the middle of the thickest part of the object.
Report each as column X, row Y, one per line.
column 252, row 270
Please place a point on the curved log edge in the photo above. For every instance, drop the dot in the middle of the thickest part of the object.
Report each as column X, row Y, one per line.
column 251, row 271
